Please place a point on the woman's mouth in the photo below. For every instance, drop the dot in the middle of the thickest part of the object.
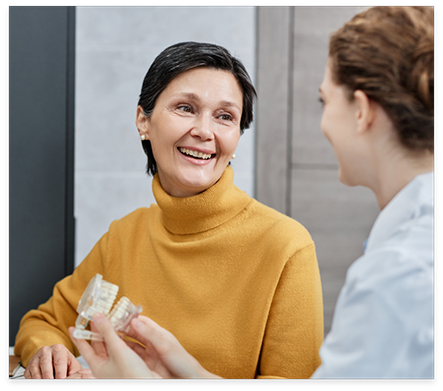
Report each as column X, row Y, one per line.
column 196, row 154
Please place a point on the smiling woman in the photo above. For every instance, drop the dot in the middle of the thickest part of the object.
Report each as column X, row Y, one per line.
column 235, row 281
column 183, row 57
column 193, row 129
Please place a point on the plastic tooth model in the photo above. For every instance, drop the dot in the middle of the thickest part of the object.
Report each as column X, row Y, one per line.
column 99, row 296
column 122, row 314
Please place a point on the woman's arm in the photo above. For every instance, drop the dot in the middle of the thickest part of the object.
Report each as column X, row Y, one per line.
column 294, row 330
column 43, row 338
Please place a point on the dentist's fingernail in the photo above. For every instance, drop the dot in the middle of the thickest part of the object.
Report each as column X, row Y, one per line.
column 98, row 318
column 136, row 323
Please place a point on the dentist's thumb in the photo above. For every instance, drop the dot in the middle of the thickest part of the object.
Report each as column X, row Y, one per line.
column 105, row 328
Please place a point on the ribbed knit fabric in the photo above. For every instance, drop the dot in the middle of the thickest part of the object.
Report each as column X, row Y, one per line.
column 235, row 281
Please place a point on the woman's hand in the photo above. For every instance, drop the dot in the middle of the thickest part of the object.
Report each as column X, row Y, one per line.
column 162, row 353
column 51, row 362
column 112, row 358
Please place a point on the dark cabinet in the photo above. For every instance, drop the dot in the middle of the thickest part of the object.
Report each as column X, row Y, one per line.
column 41, row 154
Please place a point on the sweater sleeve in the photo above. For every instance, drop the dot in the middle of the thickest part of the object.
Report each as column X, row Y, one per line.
column 294, row 331
column 49, row 323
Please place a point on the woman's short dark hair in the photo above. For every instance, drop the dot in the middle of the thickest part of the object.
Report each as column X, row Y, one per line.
column 182, row 57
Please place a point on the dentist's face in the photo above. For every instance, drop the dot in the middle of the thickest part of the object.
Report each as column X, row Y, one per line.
column 339, row 125
column 194, row 129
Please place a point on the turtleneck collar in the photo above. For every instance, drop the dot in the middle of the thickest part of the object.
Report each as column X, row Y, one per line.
column 204, row 211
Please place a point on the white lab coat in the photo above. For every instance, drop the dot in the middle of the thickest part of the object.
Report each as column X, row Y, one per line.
column 383, row 325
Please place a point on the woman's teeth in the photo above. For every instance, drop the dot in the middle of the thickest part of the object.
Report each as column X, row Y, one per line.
column 198, row 155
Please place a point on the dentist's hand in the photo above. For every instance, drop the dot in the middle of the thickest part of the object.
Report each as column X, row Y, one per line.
column 111, row 358
column 162, row 353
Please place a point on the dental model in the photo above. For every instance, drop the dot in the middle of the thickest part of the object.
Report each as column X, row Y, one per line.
column 99, row 296
column 122, row 314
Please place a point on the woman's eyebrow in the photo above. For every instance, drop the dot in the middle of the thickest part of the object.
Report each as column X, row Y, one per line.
column 195, row 97
column 189, row 95
column 227, row 103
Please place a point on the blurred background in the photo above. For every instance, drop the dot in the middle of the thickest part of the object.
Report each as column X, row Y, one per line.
column 75, row 157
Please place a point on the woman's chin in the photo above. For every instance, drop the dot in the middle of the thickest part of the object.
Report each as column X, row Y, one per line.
column 193, row 187
column 188, row 180
column 187, row 186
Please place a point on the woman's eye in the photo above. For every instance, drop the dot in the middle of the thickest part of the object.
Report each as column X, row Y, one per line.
column 186, row 109
column 226, row 117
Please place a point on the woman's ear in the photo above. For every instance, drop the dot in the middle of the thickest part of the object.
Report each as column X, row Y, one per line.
column 142, row 123
column 365, row 111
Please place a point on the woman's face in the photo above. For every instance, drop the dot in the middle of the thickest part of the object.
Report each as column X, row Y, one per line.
column 194, row 129
column 339, row 125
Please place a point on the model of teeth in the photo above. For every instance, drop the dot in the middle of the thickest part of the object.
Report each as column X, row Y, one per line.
column 122, row 314
column 199, row 155
column 99, row 296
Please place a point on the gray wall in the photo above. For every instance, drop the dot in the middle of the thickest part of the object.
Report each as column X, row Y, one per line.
column 296, row 167
column 114, row 49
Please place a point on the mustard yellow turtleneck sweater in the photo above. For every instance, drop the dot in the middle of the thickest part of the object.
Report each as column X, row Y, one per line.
column 235, row 281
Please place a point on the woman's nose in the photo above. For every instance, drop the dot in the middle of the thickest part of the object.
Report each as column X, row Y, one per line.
column 204, row 127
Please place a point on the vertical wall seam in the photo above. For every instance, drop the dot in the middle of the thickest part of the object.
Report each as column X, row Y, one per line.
column 290, row 111
column 257, row 44
column 69, row 144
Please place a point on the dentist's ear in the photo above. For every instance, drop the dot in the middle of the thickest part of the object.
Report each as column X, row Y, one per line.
column 365, row 111
column 142, row 123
